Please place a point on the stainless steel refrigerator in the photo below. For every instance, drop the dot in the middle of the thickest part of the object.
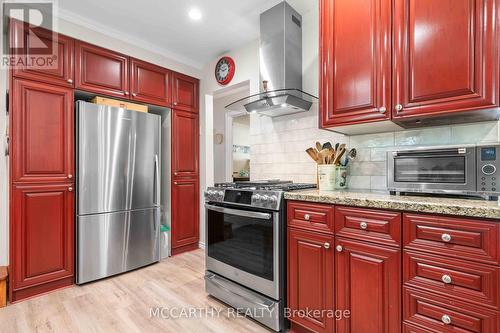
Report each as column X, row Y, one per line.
column 118, row 184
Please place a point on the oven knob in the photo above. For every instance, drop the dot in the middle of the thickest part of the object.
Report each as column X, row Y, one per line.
column 273, row 199
column 489, row 169
column 220, row 193
column 265, row 199
column 256, row 197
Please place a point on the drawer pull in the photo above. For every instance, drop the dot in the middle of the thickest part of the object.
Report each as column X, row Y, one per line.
column 363, row 225
column 307, row 217
column 326, row 245
column 446, row 279
column 446, row 237
column 339, row 248
column 446, row 319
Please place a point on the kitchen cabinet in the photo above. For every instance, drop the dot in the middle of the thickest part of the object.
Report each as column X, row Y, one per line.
column 407, row 63
column 42, row 133
column 355, row 58
column 310, row 278
column 185, row 93
column 185, row 215
column 101, row 71
column 368, row 279
column 185, row 144
column 149, row 83
column 25, row 42
column 42, row 234
column 445, row 57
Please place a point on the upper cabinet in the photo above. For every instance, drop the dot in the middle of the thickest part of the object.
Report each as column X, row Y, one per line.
column 355, row 57
column 25, row 42
column 185, row 144
column 185, row 93
column 416, row 63
column 101, row 71
column 149, row 83
column 445, row 56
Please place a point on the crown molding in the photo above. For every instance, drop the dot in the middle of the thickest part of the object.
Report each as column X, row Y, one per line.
column 113, row 33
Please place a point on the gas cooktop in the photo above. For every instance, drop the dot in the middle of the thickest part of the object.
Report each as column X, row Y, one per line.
column 267, row 185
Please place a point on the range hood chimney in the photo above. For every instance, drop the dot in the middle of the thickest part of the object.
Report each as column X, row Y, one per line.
column 280, row 66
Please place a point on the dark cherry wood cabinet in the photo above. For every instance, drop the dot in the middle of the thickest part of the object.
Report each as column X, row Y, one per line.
column 310, row 278
column 368, row 280
column 185, row 144
column 42, row 133
column 355, row 60
column 185, row 93
column 42, row 235
column 101, row 71
column 416, row 63
column 185, row 215
column 445, row 56
column 25, row 41
column 149, row 83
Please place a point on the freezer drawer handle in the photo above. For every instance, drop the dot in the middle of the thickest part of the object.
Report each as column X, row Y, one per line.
column 262, row 216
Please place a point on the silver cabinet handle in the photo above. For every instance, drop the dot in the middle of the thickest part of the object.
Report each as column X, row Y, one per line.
column 363, row 225
column 176, row 173
column 339, row 248
column 446, row 237
column 307, row 217
column 382, row 109
column 70, row 176
column 70, row 189
column 69, row 81
column 175, row 103
column 446, row 279
column 126, row 92
column 134, row 94
column 326, row 245
column 398, row 107
column 446, row 319
column 175, row 183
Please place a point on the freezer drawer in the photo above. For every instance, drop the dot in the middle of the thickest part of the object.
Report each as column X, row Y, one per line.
column 113, row 243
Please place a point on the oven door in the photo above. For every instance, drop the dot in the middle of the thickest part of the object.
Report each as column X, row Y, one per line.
column 243, row 246
column 446, row 170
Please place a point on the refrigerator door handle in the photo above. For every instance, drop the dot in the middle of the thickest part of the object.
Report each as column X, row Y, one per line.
column 157, row 182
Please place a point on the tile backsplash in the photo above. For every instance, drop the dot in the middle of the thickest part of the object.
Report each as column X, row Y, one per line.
column 278, row 147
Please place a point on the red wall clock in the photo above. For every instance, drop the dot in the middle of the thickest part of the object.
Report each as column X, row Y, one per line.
column 224, row 70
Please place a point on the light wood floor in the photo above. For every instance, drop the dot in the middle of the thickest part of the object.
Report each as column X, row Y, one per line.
column 122, row 303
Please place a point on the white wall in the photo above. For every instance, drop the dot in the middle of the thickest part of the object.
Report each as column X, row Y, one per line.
column 95, row 37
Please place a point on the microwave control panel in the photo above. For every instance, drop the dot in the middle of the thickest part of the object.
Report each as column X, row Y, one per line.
column 488, row 169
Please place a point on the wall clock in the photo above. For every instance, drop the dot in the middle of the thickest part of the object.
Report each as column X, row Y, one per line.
column 224, row 70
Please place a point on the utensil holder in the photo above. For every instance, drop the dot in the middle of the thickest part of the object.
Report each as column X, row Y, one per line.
column 331, row 177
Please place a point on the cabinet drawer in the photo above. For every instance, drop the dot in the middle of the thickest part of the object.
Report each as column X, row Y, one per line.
column 369, row 225
column 461, row 238
column 445, row 315
column 407, row 328
column 477, row 283
column 310, row 216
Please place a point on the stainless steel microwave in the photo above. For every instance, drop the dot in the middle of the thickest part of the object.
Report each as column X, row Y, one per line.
column 463, row 170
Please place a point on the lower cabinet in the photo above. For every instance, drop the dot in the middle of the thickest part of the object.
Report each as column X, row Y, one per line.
column 310, row 279
column 185, row 215
column 368, row 280
column 42, row 236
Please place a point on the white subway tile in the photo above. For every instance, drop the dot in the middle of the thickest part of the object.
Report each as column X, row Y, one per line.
column 378, row 182
column 475, row 133
column 428, row 136
column 358, row 182
column 372, row 140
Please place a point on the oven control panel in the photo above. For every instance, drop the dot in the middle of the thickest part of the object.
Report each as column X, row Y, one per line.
column 266, row 199
column 488, row 169
column 214, row 195
column 244, row 197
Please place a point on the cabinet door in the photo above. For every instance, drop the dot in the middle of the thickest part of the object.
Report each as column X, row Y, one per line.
column 184, row 144
column 101, row 71
column 185, row 93
column 368, row 284
column 355, row 58
column 185, row 212
column 445, row 56
column 55, row 67
column 310, row 279
column 42, row 220
column 149, row 83
column 42, row 132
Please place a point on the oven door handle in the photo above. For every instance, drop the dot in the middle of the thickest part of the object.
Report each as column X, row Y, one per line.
column 256, row 215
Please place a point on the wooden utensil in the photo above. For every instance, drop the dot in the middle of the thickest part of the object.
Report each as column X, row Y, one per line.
column 312, row 153
column 338, row 156
column 327, row 145
column 319, row 147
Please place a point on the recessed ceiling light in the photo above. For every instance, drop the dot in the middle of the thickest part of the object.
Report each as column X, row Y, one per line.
column 194, row 14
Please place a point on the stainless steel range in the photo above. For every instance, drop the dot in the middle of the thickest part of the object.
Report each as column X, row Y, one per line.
column 246, row 247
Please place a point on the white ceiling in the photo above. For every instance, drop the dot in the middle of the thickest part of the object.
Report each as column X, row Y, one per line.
column 164, row 25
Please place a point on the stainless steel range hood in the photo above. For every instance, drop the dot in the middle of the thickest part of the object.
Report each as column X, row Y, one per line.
column 280, row 66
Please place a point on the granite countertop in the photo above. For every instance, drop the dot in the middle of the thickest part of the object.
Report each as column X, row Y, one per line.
column 379, row 199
